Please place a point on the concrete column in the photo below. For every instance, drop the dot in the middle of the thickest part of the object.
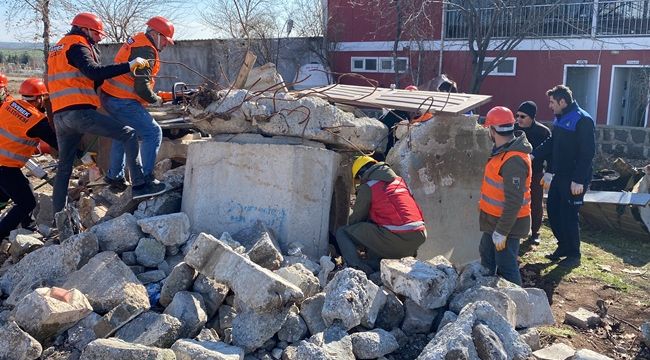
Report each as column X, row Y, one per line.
column 229, row 186
column 442, row 161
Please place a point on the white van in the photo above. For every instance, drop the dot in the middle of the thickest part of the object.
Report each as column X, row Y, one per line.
column 313, row 75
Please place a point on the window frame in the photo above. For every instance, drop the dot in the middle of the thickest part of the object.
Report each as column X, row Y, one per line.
column 495, row 72
column 379, row 59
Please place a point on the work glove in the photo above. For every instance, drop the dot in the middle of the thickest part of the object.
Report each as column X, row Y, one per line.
column 165, row 95
column 576, row 189
column 159, row 101
column 138, row 64
column 499, row 241
column 546, row 181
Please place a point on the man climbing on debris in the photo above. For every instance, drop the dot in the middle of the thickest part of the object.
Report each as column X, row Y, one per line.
column 536, row 133
column 124, row 98
column 572, row 148
column 74, row 74
column 386, row 222
column 22, row 124
column 504, row 216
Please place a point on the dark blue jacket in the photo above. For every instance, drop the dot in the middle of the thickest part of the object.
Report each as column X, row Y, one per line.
column 571, row 146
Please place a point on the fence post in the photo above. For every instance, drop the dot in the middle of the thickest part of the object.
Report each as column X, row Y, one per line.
column 594, row 19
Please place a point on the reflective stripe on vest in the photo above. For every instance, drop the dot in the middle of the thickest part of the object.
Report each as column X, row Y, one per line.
column 18, row 117
column 66, row 84
column 492, row 199
column 123, row 86
column 393, row 207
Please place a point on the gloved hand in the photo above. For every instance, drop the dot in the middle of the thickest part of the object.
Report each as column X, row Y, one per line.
column 138, row 63
column 159, row 101
column 499, row 241
column 576, row 189
column 546, row 181
column 165, row 95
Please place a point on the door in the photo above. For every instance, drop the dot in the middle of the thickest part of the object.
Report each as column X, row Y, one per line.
column 628, row 104
column 584, row 81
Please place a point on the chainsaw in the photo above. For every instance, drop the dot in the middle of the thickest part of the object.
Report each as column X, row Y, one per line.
column 179, row 94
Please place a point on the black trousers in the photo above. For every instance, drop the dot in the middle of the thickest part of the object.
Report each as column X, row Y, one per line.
column 16, row 186
column 562, row 209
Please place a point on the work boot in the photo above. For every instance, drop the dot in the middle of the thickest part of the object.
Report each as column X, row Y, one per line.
column 555, row 256
column 147, row 190
column 570, row 262
column 116, row 185
column 151, row 179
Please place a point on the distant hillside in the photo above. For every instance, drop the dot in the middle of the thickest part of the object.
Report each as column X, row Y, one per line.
column 20, row 46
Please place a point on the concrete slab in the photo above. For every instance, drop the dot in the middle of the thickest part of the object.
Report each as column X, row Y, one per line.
column 288, row 187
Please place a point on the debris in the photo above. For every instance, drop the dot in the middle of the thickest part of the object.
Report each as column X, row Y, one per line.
column 582, row 318
column 391, row 314
column 102, row 349
column 585, row 354
column 149, row 252
column 180, row 279
column 373, row 344
column 499, row 301
column 167, row 203
column 333, row 343
column 532, row 307
column 417, row 320
column 23, row 244
column 311, row 311
column 152, row 276
column 187, row 349
column 151, row 329
column 261, row 246
column 213, row 293
column 82, row 333
column 15, row 344
column 487, row 343
column 170, row 229
column 294, row 328
column 447, row 318
column 559, row 351
column 531, row 337
column 326, row 267
column 251, row 329
column 119, row 235
column 304, row 279
column 188, row 307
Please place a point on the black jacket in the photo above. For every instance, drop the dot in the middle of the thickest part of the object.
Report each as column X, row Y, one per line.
column 536, row 133
column 572, row 145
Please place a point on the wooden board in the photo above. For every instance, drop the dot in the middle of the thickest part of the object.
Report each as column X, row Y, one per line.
column 617, row 198
column 432, row 101
column 246, row 66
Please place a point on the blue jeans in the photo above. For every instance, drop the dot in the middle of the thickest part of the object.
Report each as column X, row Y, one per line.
column 502, row 262
column 131, row 113
column 70, row 126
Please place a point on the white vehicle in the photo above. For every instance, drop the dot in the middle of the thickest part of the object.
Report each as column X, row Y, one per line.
column 312, row 75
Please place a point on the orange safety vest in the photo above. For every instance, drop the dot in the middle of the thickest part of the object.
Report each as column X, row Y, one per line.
column 492, row 196
column 66, row 84
column 18, row 116
column 123, row 86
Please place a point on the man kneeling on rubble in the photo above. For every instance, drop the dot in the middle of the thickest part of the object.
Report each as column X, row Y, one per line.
column 386, row 222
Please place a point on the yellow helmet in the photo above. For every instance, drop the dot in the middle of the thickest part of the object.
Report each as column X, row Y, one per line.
column 360, row 162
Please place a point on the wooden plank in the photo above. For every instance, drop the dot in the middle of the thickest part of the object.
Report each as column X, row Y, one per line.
column 617, row 198
column 244, row 70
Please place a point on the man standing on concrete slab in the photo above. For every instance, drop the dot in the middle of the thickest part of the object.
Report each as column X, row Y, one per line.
column 74, row 73
column 504, row 216
column 386, row 222
column 124, row 98
column 536, row 133
column 572, row 148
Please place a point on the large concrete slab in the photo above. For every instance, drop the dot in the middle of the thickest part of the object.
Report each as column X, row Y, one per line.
column 230, row 186
column 442, row 160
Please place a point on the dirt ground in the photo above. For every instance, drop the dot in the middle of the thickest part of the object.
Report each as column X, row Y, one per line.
column 614, row 269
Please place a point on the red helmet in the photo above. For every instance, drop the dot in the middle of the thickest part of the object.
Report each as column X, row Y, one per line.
column 89, row 21
column 500, row 117
column 411, row 88
column 162, row 26
column 33, row 87
column 3, row 80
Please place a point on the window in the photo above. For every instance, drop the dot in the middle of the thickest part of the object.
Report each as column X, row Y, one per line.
column 505, row 67
column 378, row 64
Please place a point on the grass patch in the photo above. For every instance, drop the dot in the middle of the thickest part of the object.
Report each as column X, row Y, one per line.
column 561, row 331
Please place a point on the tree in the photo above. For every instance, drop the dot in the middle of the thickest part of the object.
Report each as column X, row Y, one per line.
column 310, row 18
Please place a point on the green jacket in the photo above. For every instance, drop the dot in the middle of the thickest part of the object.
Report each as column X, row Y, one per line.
column 514, row 172
column 380, row 171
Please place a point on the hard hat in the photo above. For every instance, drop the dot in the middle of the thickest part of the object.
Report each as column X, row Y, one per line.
column 3, row 80
column 32, row 87
column 360, row 162
column 89, row 21
column 162, row 26
column 411, row 88
column 500, row 117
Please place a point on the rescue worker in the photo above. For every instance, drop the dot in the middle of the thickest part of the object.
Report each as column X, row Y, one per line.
column 74, row 74
column 504, row 207
column 124, row 98
column 4, row 92
column 23, row 123
column 572, row 148
column 386, row 222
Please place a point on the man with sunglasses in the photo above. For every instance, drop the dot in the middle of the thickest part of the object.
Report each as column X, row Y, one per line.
column 536, row 133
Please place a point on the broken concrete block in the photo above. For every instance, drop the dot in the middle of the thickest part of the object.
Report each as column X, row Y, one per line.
column 428, row 284
column 174, row 177
column 500, row 301
column 586, row 354
column 457, row 335
column 180, row 279
column 23, row 244
column 49, row 265
column 261, row 246
column 311, row 310
column 216, row 260
column 166, row 203
column 351, row 299
column 334, row 343
column 290, row 200
column 103, row 349
column 149, row 252
column 473, row 274
column 294, row 328
column 151, row 329
column 82, row 333
column 447, row 317
column 227, row 314
column 533, row 308
column 187, row 349
column 417, row 320
column 207, row 334
column 304, row 279
column 44, row 212
column 15, row 344
column 487, row 343
column 46, row 312
column 169, row 229
column 373, row 344
column 129, row 258
column 582, row 318
column 119, row 235
column 531, row 337
column 391, row 314
column 213, row 293
column 557, row 351
column 250, row 330
column 189, row 309
column 162, row 167
column 107, row 282
column 326, row 267
column 152, row 276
